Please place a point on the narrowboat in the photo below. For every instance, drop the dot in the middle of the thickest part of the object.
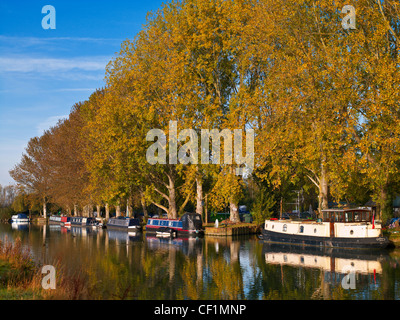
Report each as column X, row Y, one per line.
column 189, row 224
column 66, row 221
column 124, row 223
column 82, row 221
column 338, row 228
column 20, row 218
column 62, row 220
column 55, row 219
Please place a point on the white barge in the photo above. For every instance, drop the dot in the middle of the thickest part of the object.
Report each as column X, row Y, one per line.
column 338, row 228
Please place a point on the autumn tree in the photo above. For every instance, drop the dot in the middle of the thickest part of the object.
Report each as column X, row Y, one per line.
column 32, row 173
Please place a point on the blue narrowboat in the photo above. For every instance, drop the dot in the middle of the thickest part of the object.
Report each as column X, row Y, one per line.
column 83, row 221
column 189, row 224
column 124, row 223
column 20, row 218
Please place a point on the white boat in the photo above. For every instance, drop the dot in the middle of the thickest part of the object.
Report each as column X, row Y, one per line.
column 341, row 228
column 20, row 218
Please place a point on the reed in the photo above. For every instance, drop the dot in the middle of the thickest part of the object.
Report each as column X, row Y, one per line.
column 21, row 278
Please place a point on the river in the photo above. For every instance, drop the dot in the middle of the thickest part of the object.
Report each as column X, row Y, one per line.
column 121, row 265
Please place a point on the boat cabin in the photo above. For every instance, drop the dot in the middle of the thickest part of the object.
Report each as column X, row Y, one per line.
column 188, row 223
column 124, row 222
column 347, row 215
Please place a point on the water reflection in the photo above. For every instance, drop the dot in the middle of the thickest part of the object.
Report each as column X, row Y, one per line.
column 332, row 260
column 20, row 225
column 121, row 265
column 328, row 273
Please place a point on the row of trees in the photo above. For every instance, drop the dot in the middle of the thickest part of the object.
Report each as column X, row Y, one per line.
column 322, row 101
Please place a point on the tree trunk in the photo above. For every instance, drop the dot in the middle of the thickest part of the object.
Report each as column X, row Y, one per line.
column 199, row 196
column 172, row 210
column 118, row 209
column 107, row 211
column 234, row 212
column 98, row 208
column 129, row 208
column 75, row 210
column 323, row 189
column 44, row 208
column 206, row 209
column 233, row 204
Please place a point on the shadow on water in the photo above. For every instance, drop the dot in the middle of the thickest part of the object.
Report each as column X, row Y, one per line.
column 122, row 265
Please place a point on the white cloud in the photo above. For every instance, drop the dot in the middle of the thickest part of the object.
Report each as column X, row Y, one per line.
column 48, row 123
column 51, row 65
column 28, row 41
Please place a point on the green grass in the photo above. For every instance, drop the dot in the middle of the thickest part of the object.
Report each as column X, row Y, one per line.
column 9, row 290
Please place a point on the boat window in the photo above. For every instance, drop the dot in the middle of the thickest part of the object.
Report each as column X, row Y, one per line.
column 301, row 229
column 366, row 216
column 349, row 216
column 284, row 227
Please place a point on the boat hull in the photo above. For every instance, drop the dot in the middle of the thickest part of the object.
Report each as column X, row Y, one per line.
column 131, row 224
column 179, row 232
column 130, row 228
column 19, row 221
column 330, row 242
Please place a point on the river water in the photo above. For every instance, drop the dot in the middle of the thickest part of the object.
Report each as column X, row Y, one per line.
column 117, row 264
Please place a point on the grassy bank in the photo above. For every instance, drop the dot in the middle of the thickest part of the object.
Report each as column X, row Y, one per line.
column 394, row 236
column 17, row 272
column 21, row 278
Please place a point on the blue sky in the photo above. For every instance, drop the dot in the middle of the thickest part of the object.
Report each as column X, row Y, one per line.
column 44, row 72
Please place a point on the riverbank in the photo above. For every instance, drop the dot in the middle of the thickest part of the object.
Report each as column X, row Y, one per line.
column 21, row 278
column 17, row 272
column 225, row 229
column 393, row 236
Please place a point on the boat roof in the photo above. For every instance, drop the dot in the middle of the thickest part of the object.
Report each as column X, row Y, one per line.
column 164, row 219
column 346, row 210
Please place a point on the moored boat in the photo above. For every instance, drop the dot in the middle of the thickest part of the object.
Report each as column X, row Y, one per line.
column 124, row 223
column 66, row 221
column 82, row 221
column 189, row 224
column 338, row 228
column 55, row 219
column 20, row 218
